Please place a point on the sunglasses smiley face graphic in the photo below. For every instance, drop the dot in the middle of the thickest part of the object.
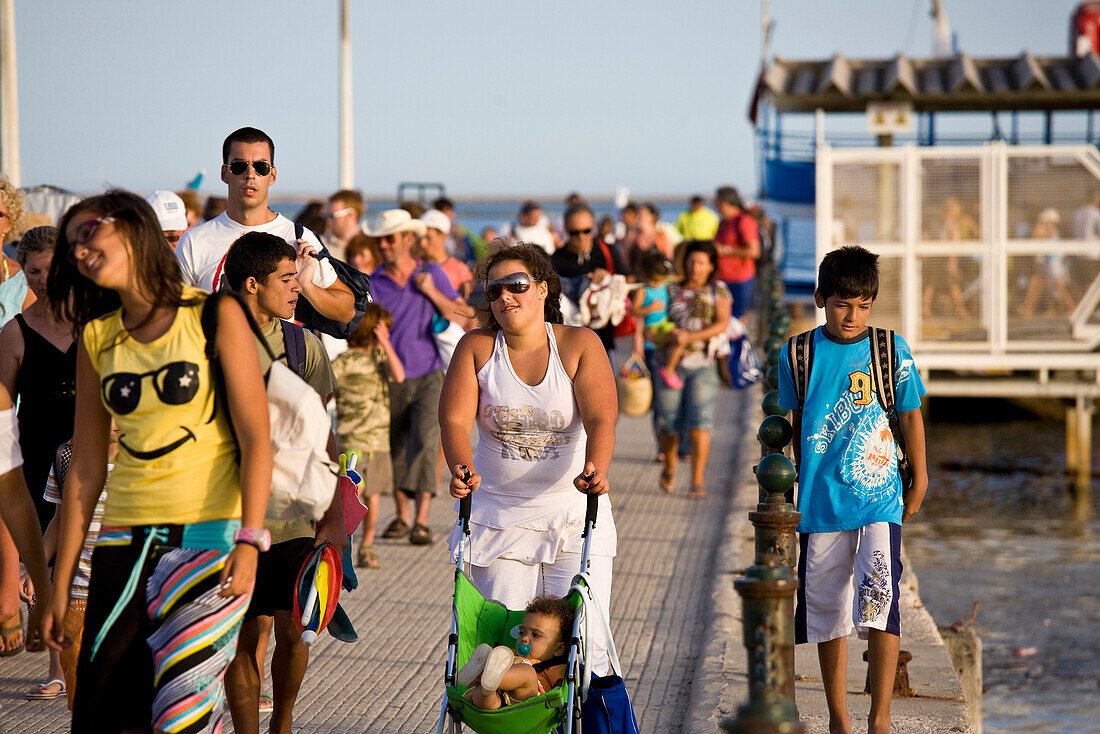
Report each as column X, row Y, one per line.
column 175, row 383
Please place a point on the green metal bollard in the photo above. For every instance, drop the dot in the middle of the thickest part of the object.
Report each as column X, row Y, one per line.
column 767, row 617
column 775, row 432
column 775, row 519
column 770, row 404
column 771, row 358
column 771, row 378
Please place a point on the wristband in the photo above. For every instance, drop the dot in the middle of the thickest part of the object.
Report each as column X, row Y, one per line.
column 258, row 537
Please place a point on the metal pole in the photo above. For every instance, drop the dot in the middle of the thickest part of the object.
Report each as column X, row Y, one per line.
column 347, row 152
column 9, row 96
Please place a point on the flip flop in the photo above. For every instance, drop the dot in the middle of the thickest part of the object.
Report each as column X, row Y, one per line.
column 668, row 481
column 9, row 628
column 41, row 694
column 697, row 492
column 266, row 703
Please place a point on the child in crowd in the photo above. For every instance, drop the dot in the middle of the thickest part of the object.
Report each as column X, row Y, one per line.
column 363, row 373
column 650, row 303
column 505, row 676
column 849, row 489
column 61, row 679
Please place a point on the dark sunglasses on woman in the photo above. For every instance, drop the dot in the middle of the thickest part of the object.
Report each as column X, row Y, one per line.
column 515, row 283
column 237, row 167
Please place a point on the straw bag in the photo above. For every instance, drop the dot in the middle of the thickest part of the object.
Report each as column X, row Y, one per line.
column 635, row 388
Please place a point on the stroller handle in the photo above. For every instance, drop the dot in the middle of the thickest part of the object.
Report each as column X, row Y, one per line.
column 464, row 506
column 591, row 509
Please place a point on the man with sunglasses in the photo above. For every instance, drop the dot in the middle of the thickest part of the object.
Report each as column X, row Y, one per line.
column 342, row 214
column 413, row 291
column 584, row 259
column 248, row 171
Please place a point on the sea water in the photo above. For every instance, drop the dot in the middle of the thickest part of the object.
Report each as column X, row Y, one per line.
column 1000, row 533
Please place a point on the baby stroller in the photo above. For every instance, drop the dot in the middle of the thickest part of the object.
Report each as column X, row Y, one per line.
column 475, row 619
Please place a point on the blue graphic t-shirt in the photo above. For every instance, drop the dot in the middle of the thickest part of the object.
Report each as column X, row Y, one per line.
column 848, row 476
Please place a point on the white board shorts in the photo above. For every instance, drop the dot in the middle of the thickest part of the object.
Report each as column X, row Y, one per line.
column 848, row 580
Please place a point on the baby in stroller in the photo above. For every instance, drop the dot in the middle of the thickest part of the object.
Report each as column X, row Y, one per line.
column 538, row 663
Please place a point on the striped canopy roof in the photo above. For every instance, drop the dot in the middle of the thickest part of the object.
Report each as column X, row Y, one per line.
column 960, row 84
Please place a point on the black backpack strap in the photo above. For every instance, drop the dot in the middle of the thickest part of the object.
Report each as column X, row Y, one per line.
column 294, row 343
column 546, row 664
column 800, row 352
column 883, row 367
column 884, row 377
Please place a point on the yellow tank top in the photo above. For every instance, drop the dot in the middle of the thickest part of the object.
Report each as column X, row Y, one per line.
column 175, row 464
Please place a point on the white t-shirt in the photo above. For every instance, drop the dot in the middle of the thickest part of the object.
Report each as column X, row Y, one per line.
column 202, row 249
column 537, row 234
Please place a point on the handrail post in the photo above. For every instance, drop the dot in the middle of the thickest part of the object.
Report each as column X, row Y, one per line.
column 767, row 589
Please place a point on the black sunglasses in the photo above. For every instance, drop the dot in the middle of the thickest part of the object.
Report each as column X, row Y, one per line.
column 237, row 167
column 175, row 383
column 575, row 232
column 515, row 283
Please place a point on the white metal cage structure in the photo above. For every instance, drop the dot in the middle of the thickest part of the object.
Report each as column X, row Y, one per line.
column 989, row 257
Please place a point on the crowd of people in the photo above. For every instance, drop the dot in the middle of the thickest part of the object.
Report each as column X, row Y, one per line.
column 160, row 459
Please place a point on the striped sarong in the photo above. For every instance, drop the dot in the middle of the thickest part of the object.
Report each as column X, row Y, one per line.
column 164, row 654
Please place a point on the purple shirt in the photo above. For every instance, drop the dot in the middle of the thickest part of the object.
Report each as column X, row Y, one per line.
column 411, row 334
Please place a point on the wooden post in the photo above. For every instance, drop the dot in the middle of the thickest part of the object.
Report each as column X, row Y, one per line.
column 9, row 97
column 1071, row 442
column 1081, row 477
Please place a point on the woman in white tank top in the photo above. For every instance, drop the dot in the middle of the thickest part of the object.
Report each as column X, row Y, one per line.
column 542, row 396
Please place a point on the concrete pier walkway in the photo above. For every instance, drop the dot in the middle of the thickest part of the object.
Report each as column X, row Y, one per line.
column 675, row 615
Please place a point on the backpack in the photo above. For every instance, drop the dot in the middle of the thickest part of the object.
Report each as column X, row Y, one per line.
column 303, row 478
column 800, row 349
column 358, row 283
column 294, row 343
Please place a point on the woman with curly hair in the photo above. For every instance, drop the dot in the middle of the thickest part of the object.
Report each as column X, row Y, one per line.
column 14, row 293
column 542, row 395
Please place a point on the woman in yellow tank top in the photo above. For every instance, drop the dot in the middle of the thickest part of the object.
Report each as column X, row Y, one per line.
column 173, row 568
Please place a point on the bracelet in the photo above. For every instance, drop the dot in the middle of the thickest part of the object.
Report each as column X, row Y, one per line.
column 260, row 538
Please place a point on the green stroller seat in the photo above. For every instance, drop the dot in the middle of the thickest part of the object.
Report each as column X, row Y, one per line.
column 483, row 620
column 476, row 619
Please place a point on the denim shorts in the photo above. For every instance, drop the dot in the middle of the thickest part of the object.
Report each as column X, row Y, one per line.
column 742, row 296
column 692, row 407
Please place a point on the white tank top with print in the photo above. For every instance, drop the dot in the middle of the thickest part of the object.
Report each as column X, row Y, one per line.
column 531, row 445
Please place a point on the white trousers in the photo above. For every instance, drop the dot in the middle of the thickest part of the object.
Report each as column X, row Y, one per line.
column 515, row 583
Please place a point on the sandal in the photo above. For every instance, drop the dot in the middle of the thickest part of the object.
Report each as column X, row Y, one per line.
column 698, row 492
column 471, row 671
column 40, row 692
column 396, row 529
column 366, row 557
column 668, row 481
column 266, row 703
column 8, row 629
column 420, row 535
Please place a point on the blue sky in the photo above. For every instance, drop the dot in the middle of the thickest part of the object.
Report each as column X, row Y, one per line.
column 489, row 97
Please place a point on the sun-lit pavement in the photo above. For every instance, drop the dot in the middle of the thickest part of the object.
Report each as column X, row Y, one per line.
column 675, row 616
column 391, row 679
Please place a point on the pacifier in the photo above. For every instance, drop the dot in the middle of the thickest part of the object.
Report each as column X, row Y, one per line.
column 523, row 649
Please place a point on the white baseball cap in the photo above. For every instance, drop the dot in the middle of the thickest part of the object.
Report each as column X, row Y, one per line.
column 436, row 219
column 171, row 213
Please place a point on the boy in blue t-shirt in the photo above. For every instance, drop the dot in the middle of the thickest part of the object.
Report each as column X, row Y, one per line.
column 849, row 489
